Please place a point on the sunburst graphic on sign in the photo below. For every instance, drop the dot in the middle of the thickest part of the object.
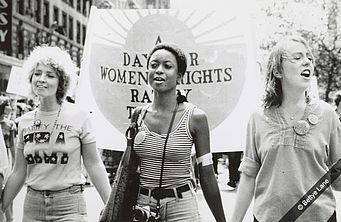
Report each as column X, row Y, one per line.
column 215, row 47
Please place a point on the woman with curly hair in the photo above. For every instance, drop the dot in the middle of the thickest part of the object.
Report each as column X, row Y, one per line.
column 53, row 140
column 291, row 144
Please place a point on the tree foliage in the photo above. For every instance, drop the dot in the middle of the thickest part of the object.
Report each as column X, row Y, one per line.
column 316, row 21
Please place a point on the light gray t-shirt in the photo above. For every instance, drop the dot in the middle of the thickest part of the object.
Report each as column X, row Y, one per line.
column 54, row 161
column 286, row 165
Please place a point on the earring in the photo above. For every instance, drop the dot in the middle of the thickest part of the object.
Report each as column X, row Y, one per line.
column 278, row 75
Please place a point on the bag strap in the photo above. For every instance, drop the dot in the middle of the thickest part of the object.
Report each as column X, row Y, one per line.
column 133, row 128
column 164, row 155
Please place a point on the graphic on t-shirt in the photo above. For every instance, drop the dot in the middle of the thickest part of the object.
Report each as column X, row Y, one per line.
column 39, row 142
column 54, row 158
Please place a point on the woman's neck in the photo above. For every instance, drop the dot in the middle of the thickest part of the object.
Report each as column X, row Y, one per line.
column 294, row 99
column 48, row 105
column 163, row 102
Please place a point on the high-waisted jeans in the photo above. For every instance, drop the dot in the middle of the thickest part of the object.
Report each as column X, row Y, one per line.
column 57, row 206
column 174, row 208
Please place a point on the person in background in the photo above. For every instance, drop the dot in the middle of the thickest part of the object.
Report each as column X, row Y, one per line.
column 338, row 105
column 8, row 127
column 166, row 66
column 53, row 140
column 234, row 159
column 291, row 143
column 215, row 157
column 4, row 165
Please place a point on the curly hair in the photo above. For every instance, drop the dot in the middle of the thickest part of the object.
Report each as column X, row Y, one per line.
column 59, row 60
column 273, row 87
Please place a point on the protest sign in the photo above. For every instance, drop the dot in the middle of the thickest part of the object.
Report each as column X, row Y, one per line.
column 222, row 77
column 18, row 83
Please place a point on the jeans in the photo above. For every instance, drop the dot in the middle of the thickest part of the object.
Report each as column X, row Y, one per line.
column 57, row 206
column 174, row 208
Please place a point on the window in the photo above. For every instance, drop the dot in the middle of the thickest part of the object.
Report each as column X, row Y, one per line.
column 20, row 6
column 56, row 14
column 84, row 7
column 151, row 4
column 70, row 28
column 64, row 22
column 83, row 33
column 78, row 35
column 71, row 3
column 78, row 6
column 37, row 10
column 46, row 14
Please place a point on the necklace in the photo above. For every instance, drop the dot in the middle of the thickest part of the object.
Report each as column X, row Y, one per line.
column 292, row 116
column 44, row 137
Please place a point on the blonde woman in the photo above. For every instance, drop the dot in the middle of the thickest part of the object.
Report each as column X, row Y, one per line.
column 53, row 140
column 291, row 144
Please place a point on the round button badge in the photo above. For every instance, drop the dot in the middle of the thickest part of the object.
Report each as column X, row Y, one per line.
column 301, row 127
column 140, row 136
column 313, row 119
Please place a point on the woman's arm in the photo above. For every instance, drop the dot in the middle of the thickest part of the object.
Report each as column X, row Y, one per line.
column 96, row 170
column 245, row 193
column 200, row 132
column 16, row 179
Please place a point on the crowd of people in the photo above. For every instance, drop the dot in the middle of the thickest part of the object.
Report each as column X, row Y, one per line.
column 290, row 144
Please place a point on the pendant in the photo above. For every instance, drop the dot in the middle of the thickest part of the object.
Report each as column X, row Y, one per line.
column 37, row 122
column 301, row 127
column 313, row 119
column 140, row 136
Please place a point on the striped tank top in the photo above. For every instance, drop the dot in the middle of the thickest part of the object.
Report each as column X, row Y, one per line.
column 177, row 166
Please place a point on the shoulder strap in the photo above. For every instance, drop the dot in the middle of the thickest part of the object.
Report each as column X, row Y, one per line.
column 133, row 128
column 136, row 113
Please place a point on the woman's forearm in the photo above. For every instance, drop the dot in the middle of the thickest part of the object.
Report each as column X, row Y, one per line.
column 211, row 193
column 99, row 178
column 245, row 194
column 14, row 184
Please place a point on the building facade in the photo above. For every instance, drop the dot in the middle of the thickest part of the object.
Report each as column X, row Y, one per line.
column 30, row 23
column 25, row 24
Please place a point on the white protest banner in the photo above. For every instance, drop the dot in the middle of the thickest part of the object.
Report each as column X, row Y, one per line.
column 18, row 82
column 222, row 77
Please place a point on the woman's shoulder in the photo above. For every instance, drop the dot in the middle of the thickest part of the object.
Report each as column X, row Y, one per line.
column 321, row 106
column 26, row 116
column 196, row 111
column 263, row 112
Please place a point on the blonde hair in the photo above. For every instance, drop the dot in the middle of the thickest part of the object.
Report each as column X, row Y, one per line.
column 59, row 60
column 273, row 87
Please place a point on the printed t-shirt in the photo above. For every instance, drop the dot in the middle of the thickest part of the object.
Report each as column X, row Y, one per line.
column 54, row 162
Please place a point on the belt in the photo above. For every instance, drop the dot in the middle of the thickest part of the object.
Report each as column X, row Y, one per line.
column 48, row 192
column 158, row 193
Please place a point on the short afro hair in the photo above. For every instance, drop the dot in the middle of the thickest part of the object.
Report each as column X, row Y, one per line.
column 176, row 51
